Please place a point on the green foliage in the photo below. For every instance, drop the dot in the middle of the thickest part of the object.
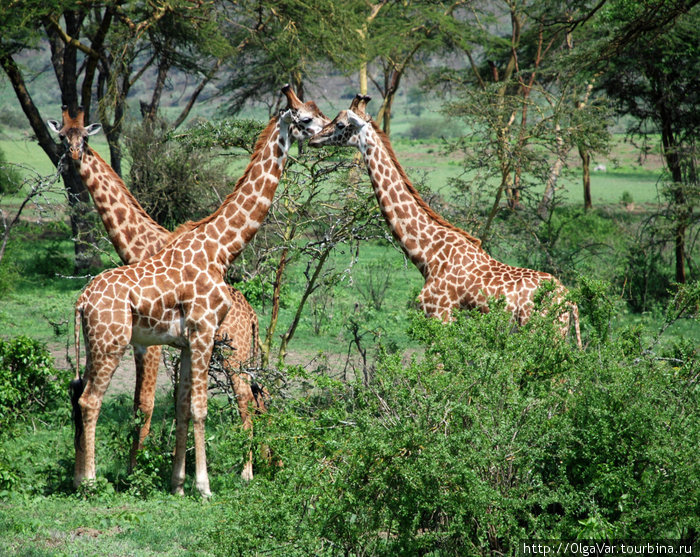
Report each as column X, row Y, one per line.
column 291, row 46
column 490, row 438
column 597, row 305
column 374, row 282
column 153, row 466
column 173, row 181
column 52, row 261
column 255, row 290
column 9, row 271
column 10, row 178
column 647, row 278
column 29, row 382
column 12, row 118
column 9, row 476
column 227, row 133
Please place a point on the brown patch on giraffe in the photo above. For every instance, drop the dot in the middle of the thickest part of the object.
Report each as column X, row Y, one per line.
column 120, row 217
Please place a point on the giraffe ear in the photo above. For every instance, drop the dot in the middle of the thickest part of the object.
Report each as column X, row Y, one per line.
column 92, row 129
column 355, row 120
column 53, row 124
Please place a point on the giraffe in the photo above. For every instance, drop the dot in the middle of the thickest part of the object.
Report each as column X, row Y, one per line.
column 178, row 297
column 135, row 236
column 458, row 273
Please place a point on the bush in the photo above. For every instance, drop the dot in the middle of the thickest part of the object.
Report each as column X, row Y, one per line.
column 10, row 178
column 174, row 182
column 10, row 272
column 29, row 382
column 648, row 278
column 13, row 118
column 490, row 438
column 426, row 128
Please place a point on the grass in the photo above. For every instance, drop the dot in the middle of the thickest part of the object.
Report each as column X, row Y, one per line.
column 325, row 325
column 60, row 526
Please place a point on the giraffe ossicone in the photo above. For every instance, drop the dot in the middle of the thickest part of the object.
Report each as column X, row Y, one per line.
column 179, row 297
column 458, row 273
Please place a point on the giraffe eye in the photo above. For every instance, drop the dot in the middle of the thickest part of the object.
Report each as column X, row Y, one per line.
column 340, row 125
column 306, row 120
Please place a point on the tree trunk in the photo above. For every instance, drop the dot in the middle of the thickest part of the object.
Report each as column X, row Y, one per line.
column 310, row 287
column 84, row 239
column 78, row 196
column 266, row 345
column 545, row 206
column 151, row 109
column 586, row 177
column 673, row 160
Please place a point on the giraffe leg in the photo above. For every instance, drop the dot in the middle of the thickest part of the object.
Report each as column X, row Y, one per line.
column 90, row 402
column 77, row 390
column 577, row 327
column 201, row 347
column 244, row 396
column 144, row 395
column 182, row 408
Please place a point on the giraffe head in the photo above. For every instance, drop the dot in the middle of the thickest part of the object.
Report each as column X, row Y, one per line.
column 347, row 128
column 74, row 134
column 307, row 118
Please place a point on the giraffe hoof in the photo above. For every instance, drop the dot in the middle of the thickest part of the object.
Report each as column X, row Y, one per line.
column 247, row 474
column 178, row 491
column 205, row 492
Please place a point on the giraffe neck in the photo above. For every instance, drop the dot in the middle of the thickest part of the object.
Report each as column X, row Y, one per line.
column 226, row 232
column 411, row 221
column 134, row 234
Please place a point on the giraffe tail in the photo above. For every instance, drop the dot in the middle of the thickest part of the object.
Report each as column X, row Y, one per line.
column 77, row 326
column 77, row 385
column 255, row 334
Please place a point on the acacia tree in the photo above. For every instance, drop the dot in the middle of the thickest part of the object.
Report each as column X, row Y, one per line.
column 525, row 113
column 396, row 38
column 23, row 25
column 92, row 49
column 176, row 36
column 277, row 42
column 656, row 81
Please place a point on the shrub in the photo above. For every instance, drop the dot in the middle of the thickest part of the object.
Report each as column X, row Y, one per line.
column 426, row 128
column 489, row 438
column 29, row 382
column 52, row 261
column 648, row 278
column 174, row 182
column 9, row 270
column 10, row 178
column 13, row 118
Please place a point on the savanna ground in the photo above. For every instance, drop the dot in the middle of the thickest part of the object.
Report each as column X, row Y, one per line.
column 464, row 439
